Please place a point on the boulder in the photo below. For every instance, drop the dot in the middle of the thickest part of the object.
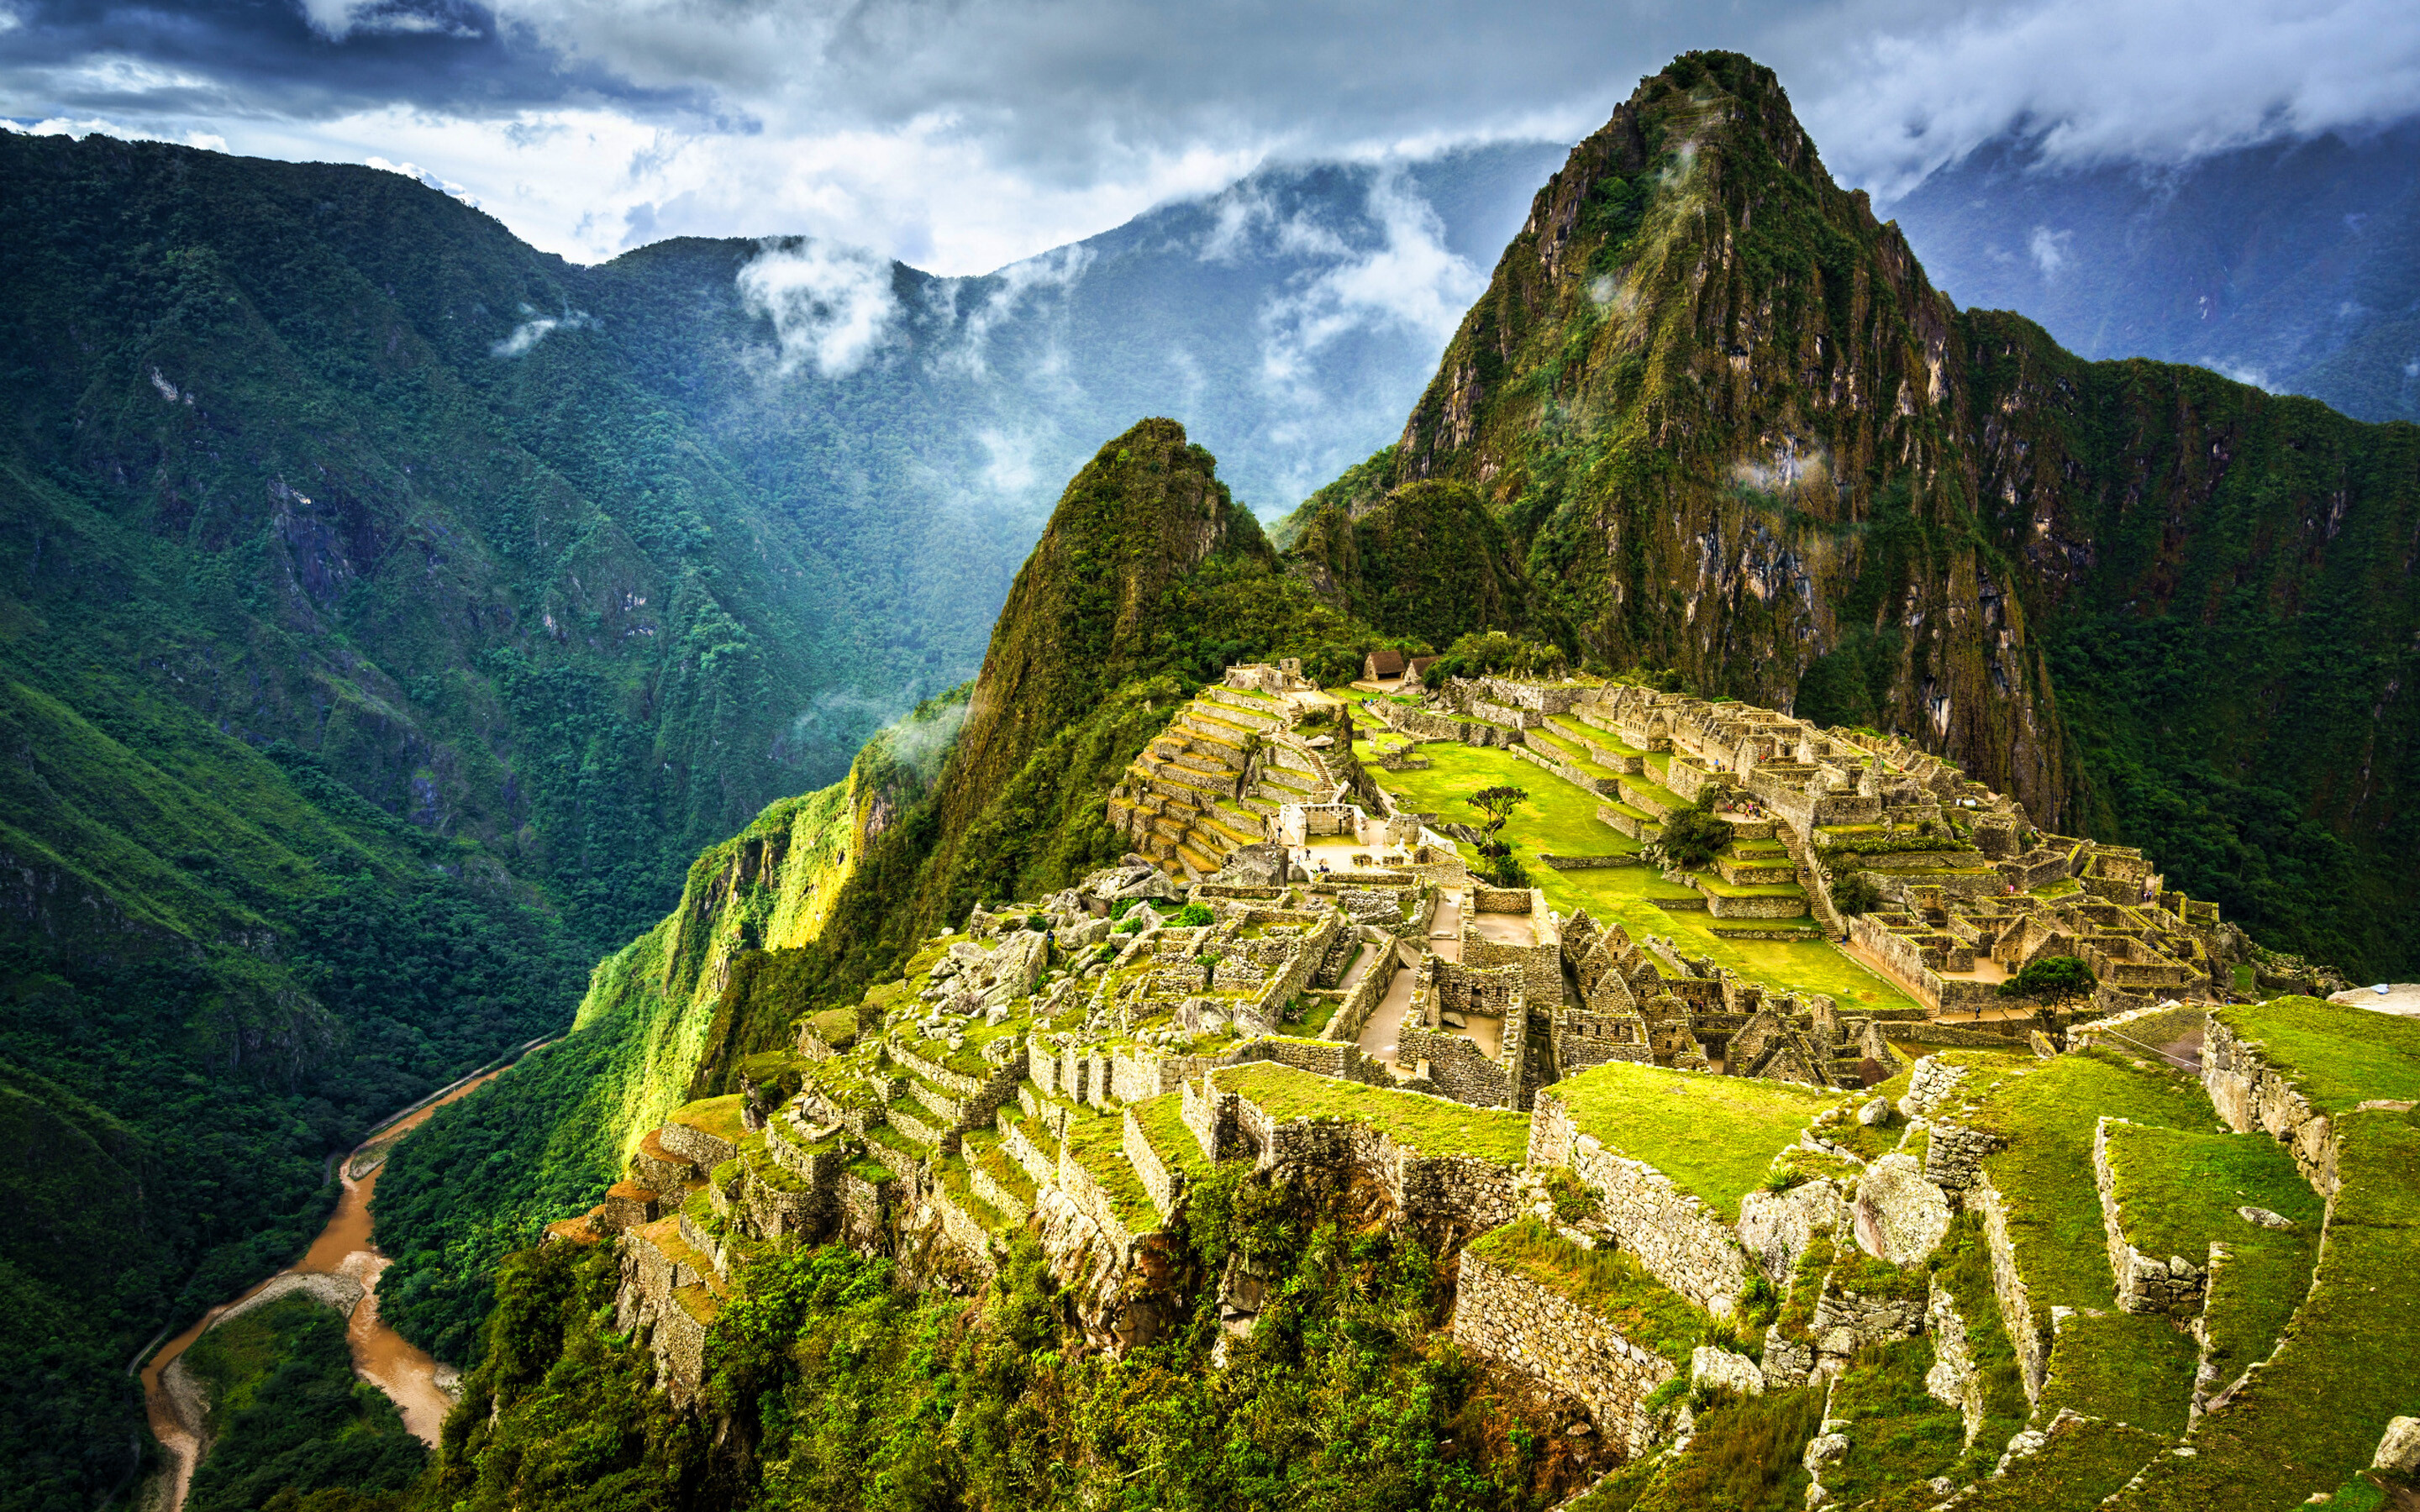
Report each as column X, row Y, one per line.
column 1711, row 1367
column 1900, row 1215
column 1875, row 1114
column 2399, row 1450
column 1775, row 1227
column 2266, row 1220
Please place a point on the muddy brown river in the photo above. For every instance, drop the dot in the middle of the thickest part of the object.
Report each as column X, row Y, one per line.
column 380, row 1355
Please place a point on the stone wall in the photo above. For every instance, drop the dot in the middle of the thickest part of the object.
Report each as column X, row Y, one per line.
column 1094, row 1204
column 1755, row 905
column 2009, row 1288
column 703, row 1150
column 2251, row 1094
column 1461, row 1190
column 1458, row 1068
column 1165, row 1186
column 1029, row 1156
column 1680, row 1240
column 1368, row 992
column 2146, row 1284
column 1506, row 1317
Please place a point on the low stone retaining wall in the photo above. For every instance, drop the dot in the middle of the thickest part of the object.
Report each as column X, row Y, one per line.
column 1505, row 1315
column 703, row 1150
column 1585, row 863
column 2009, row 1288
column 988, row 1187
column 2250, row 1094
column 2146, row 1284
column 1723, row 905
column 1987, row 1035
column 1028, row 1155
column 970, row 1238
column 1680, row 1240
column 1463, row 1189
column 1165, row 1186
column 1094, row 1204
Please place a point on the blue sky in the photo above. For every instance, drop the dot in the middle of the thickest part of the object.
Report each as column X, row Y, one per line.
column 963, row 135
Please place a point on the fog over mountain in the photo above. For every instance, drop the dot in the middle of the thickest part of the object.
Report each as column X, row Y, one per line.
column 2293, row 264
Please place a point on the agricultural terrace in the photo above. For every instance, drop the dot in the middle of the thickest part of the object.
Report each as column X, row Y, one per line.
column 1560, row 819
column 1715, row 1137
column 2338, row 1056
column 1432, row 1125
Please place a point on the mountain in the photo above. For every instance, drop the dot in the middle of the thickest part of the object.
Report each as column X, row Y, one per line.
column 392, row 612
column 1728, row 426
column 2293, row 265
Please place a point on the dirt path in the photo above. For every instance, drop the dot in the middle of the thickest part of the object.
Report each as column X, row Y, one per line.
column 380, row 1355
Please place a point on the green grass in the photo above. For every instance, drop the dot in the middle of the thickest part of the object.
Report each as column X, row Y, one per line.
column 2309, row 1420
column 1162, row 1119
column 1744, row 1457
column 2046, row 1110
column 1098, row 1144
column 1560, row 819
column 2073, row 1472
column 2178, row 1192
column 1432, row 1125
column 717, row 1116
column 2337, row 1056
column 1964, row 1270
column 2129, row 1367
column 2178, row 1189
column 1609, row 1283
column 1714, row 1137
column 1899, row 1435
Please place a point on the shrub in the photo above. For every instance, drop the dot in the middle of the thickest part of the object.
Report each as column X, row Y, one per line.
column 1856, row 893
column 1693, row 837
column 1193, row 915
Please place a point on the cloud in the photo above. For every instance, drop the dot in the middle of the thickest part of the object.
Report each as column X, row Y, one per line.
column 1055, row 272
column 2048, row 249
column 531, row 332
column 969, row 135
column 830, row 305
column 412, row 170
column 1407, row 280
column 2156, row 82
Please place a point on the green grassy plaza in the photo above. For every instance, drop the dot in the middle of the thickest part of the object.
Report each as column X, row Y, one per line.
column 1560, row 819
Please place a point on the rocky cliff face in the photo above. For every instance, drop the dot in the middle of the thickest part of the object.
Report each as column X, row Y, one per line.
column 1727, row 425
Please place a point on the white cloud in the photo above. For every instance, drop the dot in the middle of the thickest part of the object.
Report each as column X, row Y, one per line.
column 1053, row 272
column 830, row 305
column 2048, row 249
column 1410, row 280
column 412, row 170
column 2148, row 81
column 61, row 126
column 531, row 332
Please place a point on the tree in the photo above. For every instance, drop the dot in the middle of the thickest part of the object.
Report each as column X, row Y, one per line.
column 1498, row 805
column 1693, row 837
column 1856, row 893
column 2055, row 977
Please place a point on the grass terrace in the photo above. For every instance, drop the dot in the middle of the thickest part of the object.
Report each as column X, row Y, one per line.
column 2309, row 1420
column 2047, row 1110
column 1432, row 1125
column 1560, row 819
column 717, row 1116
column 1162, row 1120
column 1715, row 1137
column 1098, row 1144
column 1899, row 1435
column 2177, row 1192
column 2081, row 1464
column 2338, row 1056
column 1609, row 1283
column 2136, row 1369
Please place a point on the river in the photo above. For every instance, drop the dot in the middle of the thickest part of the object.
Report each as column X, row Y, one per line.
column 382, row 1356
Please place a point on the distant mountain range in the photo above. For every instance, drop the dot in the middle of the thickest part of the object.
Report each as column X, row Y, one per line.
column 2293, row 265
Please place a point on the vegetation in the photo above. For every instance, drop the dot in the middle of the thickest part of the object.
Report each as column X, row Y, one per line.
column 1431, row 1125
column 2055, row 977
column 1714, row 1137
column 1607, row 1282
column 286, row 1414
column 1856, row 893
column 1745, row 1453
column 2338, row 1056
column 1693, row 837
column 846, row 1391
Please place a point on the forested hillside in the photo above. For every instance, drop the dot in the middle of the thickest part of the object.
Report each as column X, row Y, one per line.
column 1729, row 427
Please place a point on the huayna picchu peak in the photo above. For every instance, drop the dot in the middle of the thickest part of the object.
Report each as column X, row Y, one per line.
column 1759, row 912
